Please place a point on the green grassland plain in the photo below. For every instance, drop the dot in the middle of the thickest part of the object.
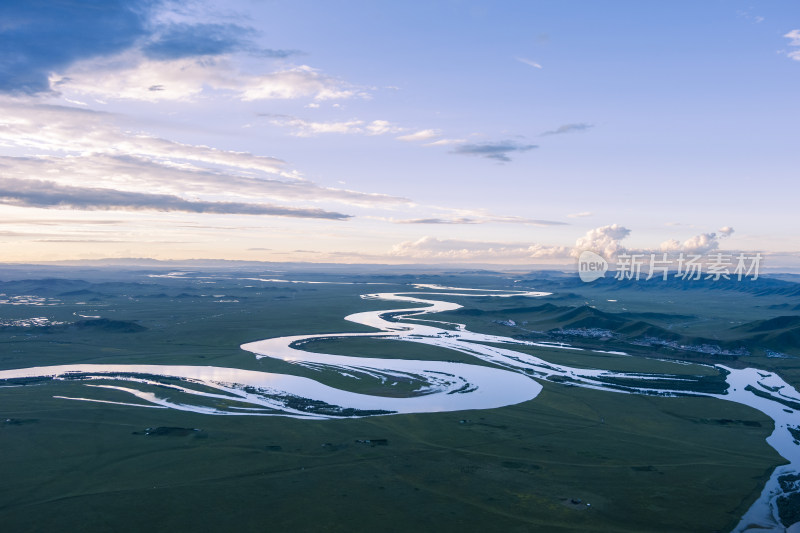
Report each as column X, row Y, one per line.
column 641, row 463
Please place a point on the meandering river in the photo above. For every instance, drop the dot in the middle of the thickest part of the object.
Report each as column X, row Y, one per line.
column 514, row 377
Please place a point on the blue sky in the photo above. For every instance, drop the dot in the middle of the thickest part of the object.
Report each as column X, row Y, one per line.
column 453, row 131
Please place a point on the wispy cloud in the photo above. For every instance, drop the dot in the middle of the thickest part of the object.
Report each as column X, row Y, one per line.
column 482, row 220
column 794, row 40
column 85, row 148
column 437, row 221
column 748, row 15
column 141, row 173
column 581, row 215
column 446, row 142
column 529, row 62
column 382, row 127
column 422, row 135
column 71, row 130
column 58, row 222
column 452, row 250
column 569, row 128
column 131, row 76
column 47, row 194
column 498, row 151
column 306, row 128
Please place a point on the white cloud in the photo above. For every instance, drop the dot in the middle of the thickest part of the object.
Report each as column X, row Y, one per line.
column 131, row 76
column 671, row 245
column 302, row 81
column 699, row 244
column 604, row 240
column 448, row 250
column 305, row 128
column 529, row 62
column 382, row 127
column 794, row 40
column 726, row 231
column 78, row 131
column 481, row 219
column 77, row 148
column 581, row 214
column 422, row 135
column 794, row 35
column 134, row 173
column 446, row 142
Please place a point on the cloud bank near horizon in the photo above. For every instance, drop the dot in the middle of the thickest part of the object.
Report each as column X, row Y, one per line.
column 604, row 240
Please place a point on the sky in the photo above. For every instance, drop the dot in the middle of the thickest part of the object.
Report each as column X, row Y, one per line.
column 474, row 132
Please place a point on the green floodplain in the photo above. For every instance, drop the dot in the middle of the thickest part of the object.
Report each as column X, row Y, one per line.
column 572, row 459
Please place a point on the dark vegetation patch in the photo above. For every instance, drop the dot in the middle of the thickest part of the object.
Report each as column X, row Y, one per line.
column 373, row 442
column 319, row 407
column 789, row 508
column 648, row 468
column 788, row 482
column 708, row 384
column 166, row 431
column 107, row 325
